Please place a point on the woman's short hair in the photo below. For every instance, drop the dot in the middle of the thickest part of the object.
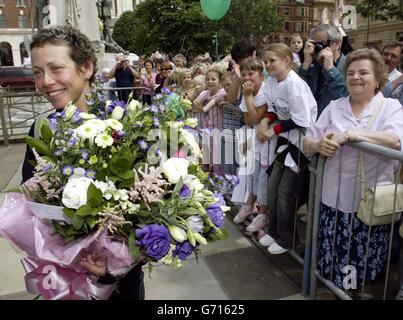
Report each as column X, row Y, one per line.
column 252, row 64
column 81, row 49
column 281, row 50
column 166, row 65
column 149, row 61
column 377, row 62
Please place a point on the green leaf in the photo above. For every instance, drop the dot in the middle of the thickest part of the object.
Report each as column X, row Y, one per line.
column 91, row 221
column 69, row 212
column 45, row 131
column 39, row 146
column 178, row 186
column 78, row 222
column 83, row 211
column 94, row 196
column 129, row 174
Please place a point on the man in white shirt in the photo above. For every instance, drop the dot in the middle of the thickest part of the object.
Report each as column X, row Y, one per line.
column 391, row 55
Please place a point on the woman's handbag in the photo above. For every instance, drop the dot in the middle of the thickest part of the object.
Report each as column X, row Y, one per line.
column 381, row 204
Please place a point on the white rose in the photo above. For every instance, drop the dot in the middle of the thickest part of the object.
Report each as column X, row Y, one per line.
column 193, row 183
column 175, row 168
column 117, row 113
column 191, row 122
column 87, row 116
column 75, row 192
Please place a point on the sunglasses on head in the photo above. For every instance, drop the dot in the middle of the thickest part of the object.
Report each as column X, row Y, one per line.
column 165, row 69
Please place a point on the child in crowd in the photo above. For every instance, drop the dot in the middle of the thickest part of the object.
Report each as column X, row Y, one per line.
column 254, row 108
column 206, row 108
column 296, row 44
column 186, row 89
column 290, row 101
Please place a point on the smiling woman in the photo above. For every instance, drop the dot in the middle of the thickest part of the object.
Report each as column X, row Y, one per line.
column 64, row 63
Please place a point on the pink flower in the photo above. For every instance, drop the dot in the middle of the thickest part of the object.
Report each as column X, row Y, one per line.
column 180, row 154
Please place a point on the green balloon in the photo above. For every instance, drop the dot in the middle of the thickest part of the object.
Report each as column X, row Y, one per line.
column 215, row 9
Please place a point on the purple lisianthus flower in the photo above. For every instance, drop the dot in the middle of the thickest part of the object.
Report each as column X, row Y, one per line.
column 155, row 239
column 68, row 170
column 84, row 154
column 90, row 174
column 143, row 145
column 70, row 131
column 216, row 215
column 90, row 102
column 220, row 197
column 183, row 250
column 185, row 192
column 98, row 76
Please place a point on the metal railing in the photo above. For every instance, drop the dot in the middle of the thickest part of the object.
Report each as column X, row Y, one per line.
column 390, row 276
column 27, row 103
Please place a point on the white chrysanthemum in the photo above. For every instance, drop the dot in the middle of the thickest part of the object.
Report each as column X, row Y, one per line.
column 103, row 140
column 87, row 116
column 98, row 124
column 114, row 124
column 86, row 131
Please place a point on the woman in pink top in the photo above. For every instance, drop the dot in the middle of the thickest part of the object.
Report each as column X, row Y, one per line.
column 345, row 120
column 148, row 81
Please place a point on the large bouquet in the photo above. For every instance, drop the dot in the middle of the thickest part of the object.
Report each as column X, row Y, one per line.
column 123, row 181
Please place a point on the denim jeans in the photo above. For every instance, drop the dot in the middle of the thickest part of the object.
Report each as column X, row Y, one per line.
column 283, row 189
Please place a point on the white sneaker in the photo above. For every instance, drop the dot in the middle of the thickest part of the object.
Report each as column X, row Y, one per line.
column 276, row 249
column 266, row 240
column 259, row 222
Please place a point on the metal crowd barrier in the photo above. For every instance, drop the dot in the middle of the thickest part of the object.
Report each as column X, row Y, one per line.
column 392, row 278
column 18, row 109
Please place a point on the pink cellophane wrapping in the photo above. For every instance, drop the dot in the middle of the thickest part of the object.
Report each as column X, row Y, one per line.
column 53, row 267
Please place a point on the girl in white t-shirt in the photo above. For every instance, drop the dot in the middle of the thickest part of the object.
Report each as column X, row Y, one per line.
column 254, row 108
column 292, row 108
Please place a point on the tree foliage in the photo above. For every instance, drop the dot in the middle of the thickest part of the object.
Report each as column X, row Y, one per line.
column 379, row 9
column 173, row 26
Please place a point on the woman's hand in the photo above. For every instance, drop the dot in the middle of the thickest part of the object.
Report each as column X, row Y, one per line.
column 327, row 147
column 94, row 265
column 340, row 138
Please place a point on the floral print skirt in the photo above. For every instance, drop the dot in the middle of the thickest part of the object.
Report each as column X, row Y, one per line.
column 331, row 262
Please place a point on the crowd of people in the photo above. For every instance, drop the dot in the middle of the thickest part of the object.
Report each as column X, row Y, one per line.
column 309, row 96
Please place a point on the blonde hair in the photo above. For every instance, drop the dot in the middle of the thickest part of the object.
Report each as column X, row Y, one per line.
column 217, row 71
column 252, row 64
column 377, row 62
column 282, row 51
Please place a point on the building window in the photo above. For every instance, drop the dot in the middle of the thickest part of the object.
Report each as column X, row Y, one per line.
column 20, row 3
column 2, row 20
column 302, row 12
column 286, row 26
column 6, row 54
column 22, row 22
